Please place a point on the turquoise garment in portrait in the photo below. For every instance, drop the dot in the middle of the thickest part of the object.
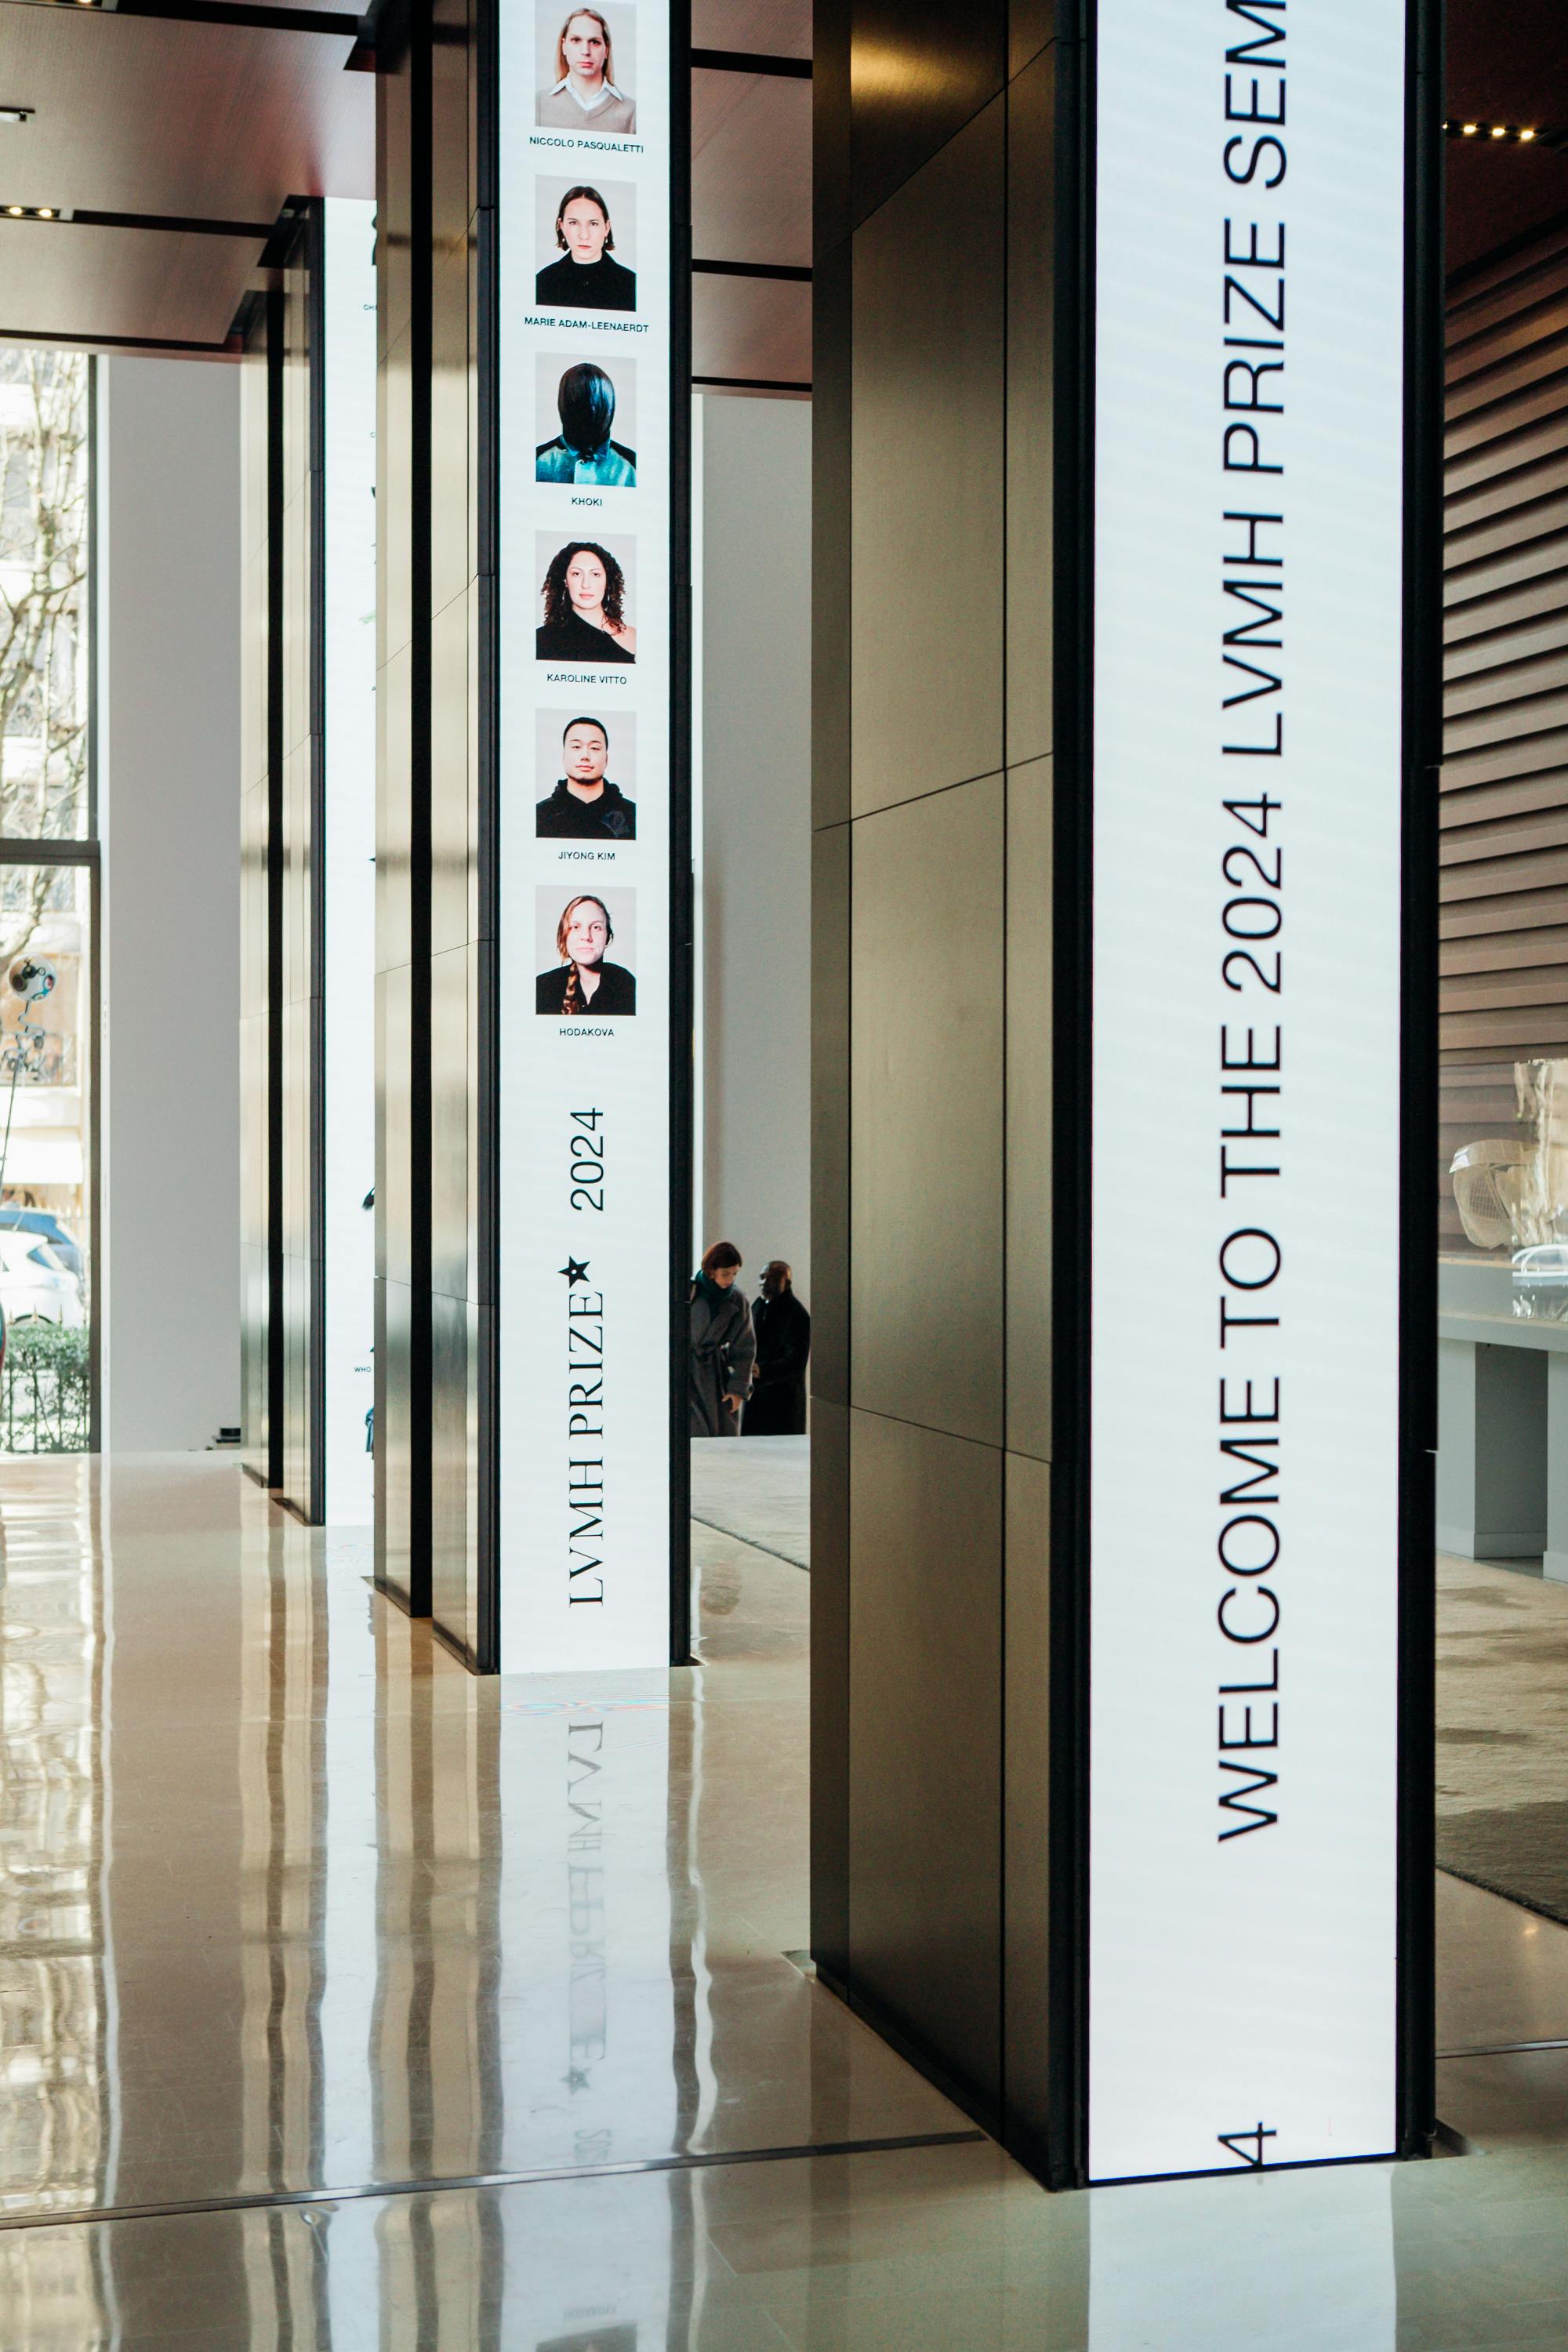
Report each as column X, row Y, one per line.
column 610, row 466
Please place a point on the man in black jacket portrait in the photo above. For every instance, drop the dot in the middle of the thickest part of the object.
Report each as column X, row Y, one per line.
column 585, row 805
column 777, row 1407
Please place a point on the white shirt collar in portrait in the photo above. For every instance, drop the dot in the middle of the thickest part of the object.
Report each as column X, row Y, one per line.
column 606, row 89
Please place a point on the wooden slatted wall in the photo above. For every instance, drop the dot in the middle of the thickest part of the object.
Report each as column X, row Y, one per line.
column 1504, row 792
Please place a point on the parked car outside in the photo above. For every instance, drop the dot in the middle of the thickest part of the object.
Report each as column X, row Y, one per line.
column 48, row 1228
column 35, row 1286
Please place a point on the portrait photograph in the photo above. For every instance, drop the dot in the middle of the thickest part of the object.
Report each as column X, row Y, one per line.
column 586, row 69
column 586, row 945
column 586, row 590
column 586, row 764
column 586, row 232
column 586, row 421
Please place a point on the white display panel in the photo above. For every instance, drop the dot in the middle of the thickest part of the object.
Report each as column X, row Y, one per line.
column 348, row 359
column 584, row 289
column 1245, row 1072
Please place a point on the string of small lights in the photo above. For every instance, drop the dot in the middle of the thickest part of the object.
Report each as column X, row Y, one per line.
column 1516, row 134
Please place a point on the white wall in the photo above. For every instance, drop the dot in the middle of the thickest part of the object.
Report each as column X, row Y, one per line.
column 169, row 757
column 756, row 825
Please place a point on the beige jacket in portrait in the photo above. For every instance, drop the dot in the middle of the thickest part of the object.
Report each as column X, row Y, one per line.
column 558, row 110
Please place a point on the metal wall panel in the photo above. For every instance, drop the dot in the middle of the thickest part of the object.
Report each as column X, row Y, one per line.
column 1031, row 814
column 927, row 632
column 927, row 69
column 255, row 833
column 925, row 1732
column 300, row 1470
column 403, row 1409
column 928, row 971
column 430, row 1361
column 933, row 1128
column 454, row 846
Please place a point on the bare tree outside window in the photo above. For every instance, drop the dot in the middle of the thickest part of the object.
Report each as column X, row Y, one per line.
column 43, row 612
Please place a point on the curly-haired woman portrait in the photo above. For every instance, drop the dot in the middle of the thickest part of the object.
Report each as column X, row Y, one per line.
column 583, row 982
column 587, row 276
column 584, row 608
column 584, row 95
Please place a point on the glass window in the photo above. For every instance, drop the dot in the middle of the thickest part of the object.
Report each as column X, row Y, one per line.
column 45, row 769
column 47, row 906
column 46, row 1235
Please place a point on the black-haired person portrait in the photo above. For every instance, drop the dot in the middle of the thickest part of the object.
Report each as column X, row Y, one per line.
column 586, row 806
column 585, row 96
column 584, row 608
column 583, row 982
column 587, row 276
column 776, row 1406
column 582, row 450
column 722, row 1345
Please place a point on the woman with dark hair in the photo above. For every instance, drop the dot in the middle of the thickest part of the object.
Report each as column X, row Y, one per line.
column 584, row 96
column 777, row 1407
column 585, row 277
column 723, row 1347
column 583, row 982
column 584, row 619
column 582, row 450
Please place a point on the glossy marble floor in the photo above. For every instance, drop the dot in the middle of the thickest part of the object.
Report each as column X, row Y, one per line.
column 296, row 1914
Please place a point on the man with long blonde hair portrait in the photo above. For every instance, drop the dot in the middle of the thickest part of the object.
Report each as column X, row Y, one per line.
column 584, row 96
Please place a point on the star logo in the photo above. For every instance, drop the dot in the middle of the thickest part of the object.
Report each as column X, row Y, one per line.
column 576, row 1270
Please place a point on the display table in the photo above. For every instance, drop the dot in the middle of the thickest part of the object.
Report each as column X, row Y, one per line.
column 1502, row 1421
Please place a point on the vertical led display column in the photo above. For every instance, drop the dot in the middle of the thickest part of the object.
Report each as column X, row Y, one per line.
column 1248, row 581
column 584, row 284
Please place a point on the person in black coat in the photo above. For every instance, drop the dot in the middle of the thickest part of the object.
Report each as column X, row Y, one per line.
column 722, row 1345
column 777, row 1407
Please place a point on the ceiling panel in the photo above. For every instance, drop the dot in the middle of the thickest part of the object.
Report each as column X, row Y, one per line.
column 60, row 279
column 777, row 28
column 758, row 328
column 208, row 121
column 751, row 168
column 1506, row 62
column 1496, row 193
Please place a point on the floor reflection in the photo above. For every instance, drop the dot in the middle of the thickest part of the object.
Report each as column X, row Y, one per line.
column 291, row 1902
column 291, row 1906
column 57, row 2125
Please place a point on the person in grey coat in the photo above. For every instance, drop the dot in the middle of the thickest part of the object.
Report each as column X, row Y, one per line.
column 724, row 1345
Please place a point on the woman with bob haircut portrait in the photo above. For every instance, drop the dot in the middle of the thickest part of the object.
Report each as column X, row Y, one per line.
column 585, row 277
column 583, row 982
column 585, row 96
column 585, row 619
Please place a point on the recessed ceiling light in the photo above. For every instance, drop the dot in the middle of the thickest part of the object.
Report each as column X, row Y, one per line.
column 1527, row 134
column 1472, row 129
column 15, row 211
column 46, row 211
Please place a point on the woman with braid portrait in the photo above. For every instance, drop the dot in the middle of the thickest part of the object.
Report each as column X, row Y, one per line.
column 583, row 982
